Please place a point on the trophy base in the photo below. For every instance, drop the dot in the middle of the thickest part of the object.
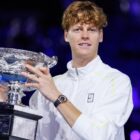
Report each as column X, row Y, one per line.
column 18, row 122
column 11, row 138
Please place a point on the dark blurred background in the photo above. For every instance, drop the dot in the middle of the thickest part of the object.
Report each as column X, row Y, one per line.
column 36, row 26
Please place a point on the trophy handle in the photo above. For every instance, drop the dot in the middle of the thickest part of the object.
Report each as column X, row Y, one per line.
column 49, row 61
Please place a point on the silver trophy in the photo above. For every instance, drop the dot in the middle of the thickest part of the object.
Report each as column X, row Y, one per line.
column 13, row 114
column 12, row 64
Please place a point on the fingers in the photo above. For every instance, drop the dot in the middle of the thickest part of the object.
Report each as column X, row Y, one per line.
column 33, row 70
column 38, row 70
column 31, row 76
column 39, row 73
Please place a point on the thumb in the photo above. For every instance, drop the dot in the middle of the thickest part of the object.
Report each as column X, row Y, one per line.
column 44, row 70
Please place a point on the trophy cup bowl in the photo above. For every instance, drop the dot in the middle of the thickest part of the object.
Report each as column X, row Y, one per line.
column 12, row 63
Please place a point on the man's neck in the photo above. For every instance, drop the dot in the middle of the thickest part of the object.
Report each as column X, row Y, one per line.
column 81, row 62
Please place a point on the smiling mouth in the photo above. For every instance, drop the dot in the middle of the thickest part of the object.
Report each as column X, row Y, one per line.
column 84, row 45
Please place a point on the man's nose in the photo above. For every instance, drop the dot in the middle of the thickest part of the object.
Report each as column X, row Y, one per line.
column 85, row 35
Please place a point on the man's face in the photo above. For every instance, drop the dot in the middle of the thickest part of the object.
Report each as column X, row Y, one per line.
column 84, row 40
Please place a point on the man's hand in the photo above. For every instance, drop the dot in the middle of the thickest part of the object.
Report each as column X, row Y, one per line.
column 3, row 93
column 43, row 81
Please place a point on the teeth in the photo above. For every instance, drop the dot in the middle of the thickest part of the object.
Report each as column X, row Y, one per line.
column 84, row 44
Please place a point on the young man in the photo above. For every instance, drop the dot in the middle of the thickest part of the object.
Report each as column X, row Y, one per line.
column 91, row 101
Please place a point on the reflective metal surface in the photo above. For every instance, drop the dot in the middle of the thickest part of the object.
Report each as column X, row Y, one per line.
column 12, row 64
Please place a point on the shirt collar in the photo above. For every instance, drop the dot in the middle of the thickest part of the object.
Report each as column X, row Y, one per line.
column 83, row 71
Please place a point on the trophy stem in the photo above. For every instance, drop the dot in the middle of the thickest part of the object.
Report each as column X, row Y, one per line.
column 15, row 93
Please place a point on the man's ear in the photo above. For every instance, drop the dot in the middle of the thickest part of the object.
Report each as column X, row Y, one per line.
column 101, row 36
column 66, row 36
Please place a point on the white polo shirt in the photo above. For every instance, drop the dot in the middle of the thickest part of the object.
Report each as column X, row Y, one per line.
column 101, row 93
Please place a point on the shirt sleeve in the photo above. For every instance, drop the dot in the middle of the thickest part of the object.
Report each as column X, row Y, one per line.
column 113, row 112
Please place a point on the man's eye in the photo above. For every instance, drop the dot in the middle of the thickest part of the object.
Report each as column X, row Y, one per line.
column 77, row 29
column 93, row 29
